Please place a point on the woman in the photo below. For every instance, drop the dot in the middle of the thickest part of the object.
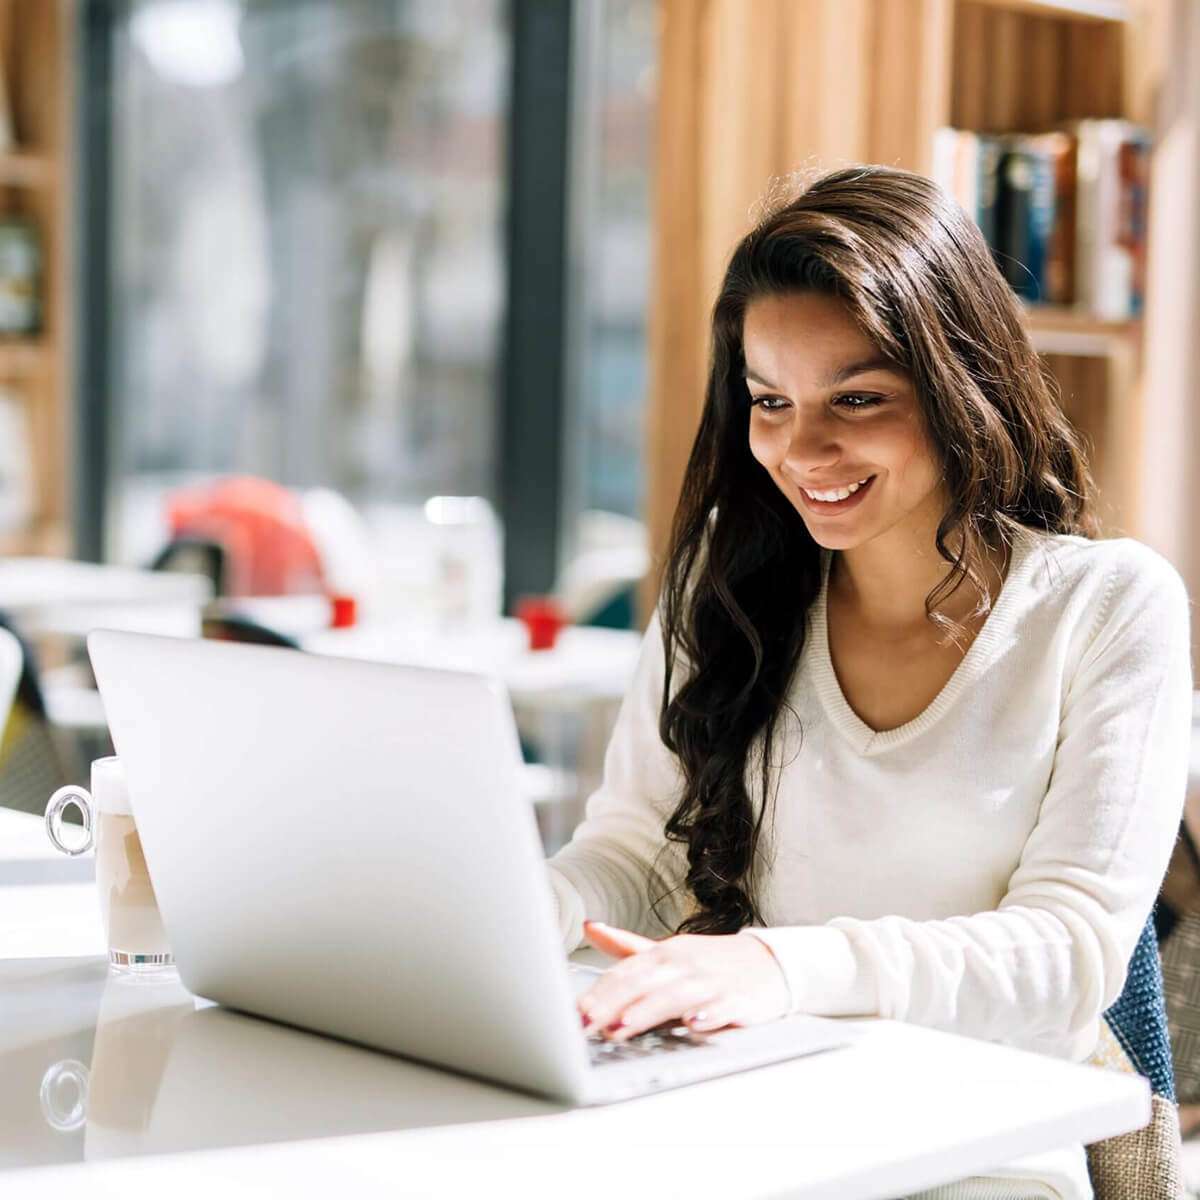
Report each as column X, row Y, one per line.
column 903, row 740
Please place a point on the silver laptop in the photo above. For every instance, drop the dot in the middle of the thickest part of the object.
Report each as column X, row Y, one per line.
column 344, row 846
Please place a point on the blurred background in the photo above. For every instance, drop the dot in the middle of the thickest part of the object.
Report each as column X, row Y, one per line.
column 379, row 327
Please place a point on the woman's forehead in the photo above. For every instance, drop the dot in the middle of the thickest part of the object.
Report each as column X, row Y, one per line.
column 814, row 361
column 805, row 328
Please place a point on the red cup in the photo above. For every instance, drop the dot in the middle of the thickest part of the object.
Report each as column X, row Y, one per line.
column 543, row 616
column 343, row 611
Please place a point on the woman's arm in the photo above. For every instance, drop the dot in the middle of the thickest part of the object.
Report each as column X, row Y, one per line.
column 1039, row 970
column 619, row 857
column 1043, row 967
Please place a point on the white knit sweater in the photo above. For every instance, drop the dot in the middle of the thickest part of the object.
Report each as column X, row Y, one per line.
column 985, row 868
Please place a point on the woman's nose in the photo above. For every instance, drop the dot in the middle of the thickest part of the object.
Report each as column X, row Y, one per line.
column 812, row 443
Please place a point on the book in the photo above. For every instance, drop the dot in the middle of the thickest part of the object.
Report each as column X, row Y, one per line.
column 1064, row 212
column 1112, row 182
column 1020, row 233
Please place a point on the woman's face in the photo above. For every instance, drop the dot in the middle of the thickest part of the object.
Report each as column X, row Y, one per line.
column 829, row 414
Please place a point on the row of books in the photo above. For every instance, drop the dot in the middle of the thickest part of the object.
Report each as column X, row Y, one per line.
column 1064, row 212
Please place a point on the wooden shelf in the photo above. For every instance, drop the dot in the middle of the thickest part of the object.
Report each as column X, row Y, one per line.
column 1057, row 330
column 23, row 169
column 36, row 40
column 1085, row 10
column 22, row 356
column 49, row 538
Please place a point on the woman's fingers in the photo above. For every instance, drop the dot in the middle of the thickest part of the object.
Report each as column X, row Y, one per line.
column 715, row 980
column 706, row 1017
column 622, row 985
column 620, row 943
column 661, row 1005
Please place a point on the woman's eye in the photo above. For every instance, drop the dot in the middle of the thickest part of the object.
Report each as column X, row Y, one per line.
column 769, row 403
column 856, row 400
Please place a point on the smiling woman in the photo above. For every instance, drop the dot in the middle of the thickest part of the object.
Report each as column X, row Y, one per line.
column 900, row 723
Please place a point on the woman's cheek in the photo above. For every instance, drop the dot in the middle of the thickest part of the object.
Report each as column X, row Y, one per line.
column 762, row 446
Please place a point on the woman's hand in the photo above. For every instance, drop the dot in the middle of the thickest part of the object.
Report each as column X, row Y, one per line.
column 707, row 981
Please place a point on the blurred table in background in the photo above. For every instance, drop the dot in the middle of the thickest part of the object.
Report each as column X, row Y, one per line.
column 54, row 595
column 585, row 664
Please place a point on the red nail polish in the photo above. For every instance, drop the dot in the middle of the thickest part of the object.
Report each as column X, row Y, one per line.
column 615, row 1027
column 585, row 1019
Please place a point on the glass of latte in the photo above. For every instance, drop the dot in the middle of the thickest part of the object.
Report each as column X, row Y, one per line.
column 137, row 942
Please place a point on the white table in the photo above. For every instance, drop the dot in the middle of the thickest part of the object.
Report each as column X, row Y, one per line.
column 55, row 594
column 27, row 857
column 586, row 664
column 187, row 1099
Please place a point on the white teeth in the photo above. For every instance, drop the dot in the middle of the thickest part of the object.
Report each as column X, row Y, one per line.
column 836, row 493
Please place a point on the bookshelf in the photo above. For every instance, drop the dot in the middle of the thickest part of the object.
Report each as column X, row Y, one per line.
column 879, row 78
column 35, row 370
column 1095, row 10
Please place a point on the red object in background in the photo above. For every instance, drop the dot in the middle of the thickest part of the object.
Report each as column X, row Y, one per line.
column 269, row 550
column 543, row 616
column 343, row 611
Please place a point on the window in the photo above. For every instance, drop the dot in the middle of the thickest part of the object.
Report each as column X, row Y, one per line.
column 307, row 272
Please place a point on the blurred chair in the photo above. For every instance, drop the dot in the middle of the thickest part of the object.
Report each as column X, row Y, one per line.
column 599, row 585
column 228, row 627
column 12, row 659
column 265, row 545
column 1178, row 915
column 33, row 763
column 194, row 556
column 1144, row 1164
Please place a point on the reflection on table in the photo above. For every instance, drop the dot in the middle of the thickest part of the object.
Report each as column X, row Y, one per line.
column 166, row 1072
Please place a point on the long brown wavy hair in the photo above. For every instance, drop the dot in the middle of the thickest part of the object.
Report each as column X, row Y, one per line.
column 742, row 569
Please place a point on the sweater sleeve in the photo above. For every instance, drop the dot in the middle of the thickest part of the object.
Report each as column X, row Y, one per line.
column 1041, row 969
column 619, row 866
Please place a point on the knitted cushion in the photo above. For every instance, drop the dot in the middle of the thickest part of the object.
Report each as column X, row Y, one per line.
column 1139, row 1017
column 1145, row 1163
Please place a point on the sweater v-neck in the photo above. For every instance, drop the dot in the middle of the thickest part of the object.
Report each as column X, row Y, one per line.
column 996, row 627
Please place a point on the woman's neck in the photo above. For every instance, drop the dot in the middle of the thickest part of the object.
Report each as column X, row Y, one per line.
column 883, row 584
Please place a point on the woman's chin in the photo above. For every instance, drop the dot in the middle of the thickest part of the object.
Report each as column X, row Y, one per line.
column 828, row 537
column 829, row 540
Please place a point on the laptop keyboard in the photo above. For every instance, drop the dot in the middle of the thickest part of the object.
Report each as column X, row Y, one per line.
column 666, row 1039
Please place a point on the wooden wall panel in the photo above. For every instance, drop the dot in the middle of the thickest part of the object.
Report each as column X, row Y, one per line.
column 910, row 79
column 740, row 119
column 677, row 316
column 823, row 45
column 1168, row 458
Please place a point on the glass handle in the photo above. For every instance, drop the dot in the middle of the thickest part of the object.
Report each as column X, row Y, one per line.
column 54, row 810
column 64, row 1095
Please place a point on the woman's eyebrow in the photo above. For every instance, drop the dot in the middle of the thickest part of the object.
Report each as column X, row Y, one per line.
column 876, row 362
column 846, row 371
column 747, row 373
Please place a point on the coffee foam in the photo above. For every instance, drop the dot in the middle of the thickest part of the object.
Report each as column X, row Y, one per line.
column 109, row 790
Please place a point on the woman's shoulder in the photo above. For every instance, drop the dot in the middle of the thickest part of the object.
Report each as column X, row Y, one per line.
column 1115, row 573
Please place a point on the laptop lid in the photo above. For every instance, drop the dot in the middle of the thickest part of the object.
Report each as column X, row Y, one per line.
column 344, row 846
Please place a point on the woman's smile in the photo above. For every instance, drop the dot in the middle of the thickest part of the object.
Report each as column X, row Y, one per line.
column 829, row 502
